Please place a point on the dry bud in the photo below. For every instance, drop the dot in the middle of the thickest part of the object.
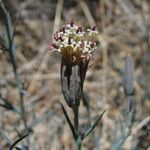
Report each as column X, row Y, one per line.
column 128, row 76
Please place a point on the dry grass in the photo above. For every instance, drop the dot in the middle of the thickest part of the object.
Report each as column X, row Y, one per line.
column 123, row 28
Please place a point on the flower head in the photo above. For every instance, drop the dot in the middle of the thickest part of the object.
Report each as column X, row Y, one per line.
column 76, row 47
column 72, row 40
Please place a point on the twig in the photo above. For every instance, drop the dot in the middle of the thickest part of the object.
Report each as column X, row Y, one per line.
column 136, row 19
column 12, row 52
column 47, row 54
column 17, row 141
column 8, row 105
column 137, row 128
column 58, row 15
column 87, row 12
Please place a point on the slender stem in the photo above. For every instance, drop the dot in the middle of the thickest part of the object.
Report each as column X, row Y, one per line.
column 78, row 143
column 76, row 125
column 12, row 51
column 76, row 119
column 129, row 111
column 19, row 86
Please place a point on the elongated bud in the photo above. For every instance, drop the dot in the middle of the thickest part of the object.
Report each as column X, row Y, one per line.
column 71, row 84
column 129, row 76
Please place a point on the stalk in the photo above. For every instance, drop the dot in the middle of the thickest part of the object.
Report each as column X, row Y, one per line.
column 78, row 141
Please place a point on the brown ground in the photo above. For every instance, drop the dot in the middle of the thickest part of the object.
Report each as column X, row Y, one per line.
column 123, row 28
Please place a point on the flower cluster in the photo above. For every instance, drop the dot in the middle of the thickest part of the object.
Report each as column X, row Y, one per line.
column 71, row 39
column 76, row 47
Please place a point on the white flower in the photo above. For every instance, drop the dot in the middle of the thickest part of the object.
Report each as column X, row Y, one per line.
column 71, row 39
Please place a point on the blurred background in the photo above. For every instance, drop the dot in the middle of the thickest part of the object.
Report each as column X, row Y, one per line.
column 124, row 27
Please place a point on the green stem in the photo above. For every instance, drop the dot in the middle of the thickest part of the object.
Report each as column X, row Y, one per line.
column 78, row 140
column 78, row 143
column 76, row 119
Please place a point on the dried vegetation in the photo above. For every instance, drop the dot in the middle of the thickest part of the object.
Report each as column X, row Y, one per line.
column 124, row 28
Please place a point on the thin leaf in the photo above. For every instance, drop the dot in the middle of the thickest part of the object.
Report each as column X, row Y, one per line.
column 6, row 106
column 16, row 142
column 17, row 148
column 15, row 25
column 69, row 122
column 91, row 128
